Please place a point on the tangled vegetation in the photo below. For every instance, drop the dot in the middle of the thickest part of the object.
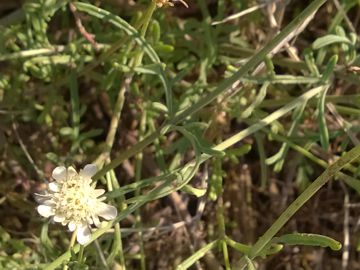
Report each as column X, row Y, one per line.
column 225, row 134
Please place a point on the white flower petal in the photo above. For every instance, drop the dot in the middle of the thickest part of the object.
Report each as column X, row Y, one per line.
column 88, row 171
column 59, row 218
column 105, row 211
column 41, row 198
column 83, row 235
column 96, row 221
column 45, row 210
column 59, row 173
column 101, row 199
column 49, row 203
column 71, row 172
column 89, row 220
column 54, row 187
column 72, row 226
column 99, row 192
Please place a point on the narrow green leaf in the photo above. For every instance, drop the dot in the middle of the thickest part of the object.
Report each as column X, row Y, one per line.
column 352, row 182
column 323, row 130
column 45, row 240
column 159, row 107
column 197, row 256
column 216, row 180
column 155, row 31
column 194, row 191
column 329, row 68
column 329, row 40
column 250, row 264
column 242, row 248
column 308, row 239
column 74, row 97
column 280, row 156
column 310, row 62
column 259, row 138
column 257, row 101
column 198, row 143
column 239, row 151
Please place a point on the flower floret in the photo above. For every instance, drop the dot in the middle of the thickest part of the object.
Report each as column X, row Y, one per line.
column 74, row 202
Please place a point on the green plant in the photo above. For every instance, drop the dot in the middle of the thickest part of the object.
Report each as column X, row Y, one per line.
column 172, row 93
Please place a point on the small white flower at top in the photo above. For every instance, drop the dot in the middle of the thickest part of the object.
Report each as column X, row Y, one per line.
column 74, row 202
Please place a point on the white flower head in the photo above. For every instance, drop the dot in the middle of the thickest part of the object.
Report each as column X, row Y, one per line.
column 74, row 202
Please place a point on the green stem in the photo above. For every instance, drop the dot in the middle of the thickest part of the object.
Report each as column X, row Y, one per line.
column 197, row 255
column 147, row 17
column 72, row 242
column 352, row 155
column 117, row 247
column 138, row 170
column 115, row 120
column 226, row 255
column 222, row 232
column 242, row 248
column 81, row 254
